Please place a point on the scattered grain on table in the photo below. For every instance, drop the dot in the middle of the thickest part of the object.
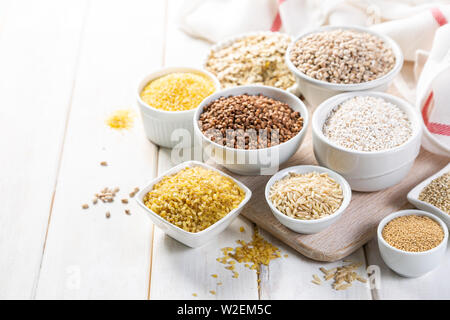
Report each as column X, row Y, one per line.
column 253, row 254
column 121, row 119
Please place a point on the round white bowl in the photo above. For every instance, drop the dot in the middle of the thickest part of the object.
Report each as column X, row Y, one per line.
column 411, row 264
column 159, row 125
column 191, row 239
column 229, row 41
column 317, row 91
column 259, row 161
column 366, row 170
column 309, row 226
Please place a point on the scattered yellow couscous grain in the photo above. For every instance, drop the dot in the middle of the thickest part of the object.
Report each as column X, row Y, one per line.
column 121, row 119
column 194, row 198
column 258, row 251
column 214, row 275
column 241, row 229
column 178, row 91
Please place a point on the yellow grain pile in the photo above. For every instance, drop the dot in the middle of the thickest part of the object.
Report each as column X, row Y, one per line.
column 177, row 91
column 194, row 198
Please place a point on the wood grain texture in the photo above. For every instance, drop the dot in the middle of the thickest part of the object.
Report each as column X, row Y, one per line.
column 38, row 52
column 357, row 224
column 88, row 256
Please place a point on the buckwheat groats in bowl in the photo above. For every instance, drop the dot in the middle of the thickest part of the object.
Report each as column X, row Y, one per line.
column 252, row 59
column 342, row 56
column 249, row 121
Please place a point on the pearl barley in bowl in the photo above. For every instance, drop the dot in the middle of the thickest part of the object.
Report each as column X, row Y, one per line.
column 337, row 59
column 370, row 138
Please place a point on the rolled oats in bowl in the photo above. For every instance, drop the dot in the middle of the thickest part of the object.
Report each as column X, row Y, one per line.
column 342, row 56
column 366, row 123
column 252, row 59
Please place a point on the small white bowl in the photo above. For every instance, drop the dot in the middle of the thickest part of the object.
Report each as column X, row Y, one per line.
column 413, row 197
column 411, row 264
column 258, row 161
column 309, row 226
column 160, row 124
column 366, row 170
column 229, row 41
column 317, row 91
column 191, row 239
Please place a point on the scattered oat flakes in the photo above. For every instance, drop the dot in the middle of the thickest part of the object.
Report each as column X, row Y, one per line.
column 108, row 214
column 212, row 292
column 124, row 201
column 85, row 206
column 128, row 212
column 104, row 163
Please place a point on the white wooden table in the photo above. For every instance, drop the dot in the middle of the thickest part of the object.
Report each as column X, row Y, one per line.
column 64, row 66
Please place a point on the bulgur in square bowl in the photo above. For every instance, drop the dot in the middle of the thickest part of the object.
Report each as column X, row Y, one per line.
column 178, row 211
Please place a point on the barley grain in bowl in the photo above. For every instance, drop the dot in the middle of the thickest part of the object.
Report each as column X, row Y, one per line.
column 433, row 194
column 307, row 199
column 193, row 202
column 412, row 242
column 371, row 139
column 168, row 99
column 254, row 58
column 251, row 129
column 333, row 59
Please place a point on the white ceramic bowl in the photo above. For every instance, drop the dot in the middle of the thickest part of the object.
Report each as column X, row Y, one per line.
column 364, row 170
column 309, row 226
column 191, row 239
column 411, row 264
column 259, row 161
column 413, row 197
column 229, row 41
column 160, row 124
column 317, row 91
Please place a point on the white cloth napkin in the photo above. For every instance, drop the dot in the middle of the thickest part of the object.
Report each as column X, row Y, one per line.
column 413, row 24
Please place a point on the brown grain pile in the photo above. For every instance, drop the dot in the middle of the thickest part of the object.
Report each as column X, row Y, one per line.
column 413, row 233
column 249, row 121
column 437, row 193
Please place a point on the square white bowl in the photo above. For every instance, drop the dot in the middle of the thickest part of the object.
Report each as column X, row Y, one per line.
column 413, row 197
column 192, row 239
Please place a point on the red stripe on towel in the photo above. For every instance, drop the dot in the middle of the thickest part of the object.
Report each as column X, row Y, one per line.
column 276, row 24
column 439, row 16
column 433, row 127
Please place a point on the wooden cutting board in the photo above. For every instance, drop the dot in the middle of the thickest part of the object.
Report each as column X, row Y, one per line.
column 358, row 223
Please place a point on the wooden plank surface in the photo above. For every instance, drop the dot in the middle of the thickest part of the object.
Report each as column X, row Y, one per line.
column 89, row 256
column 38, row 52
column 179, row 271
column 357, row 224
